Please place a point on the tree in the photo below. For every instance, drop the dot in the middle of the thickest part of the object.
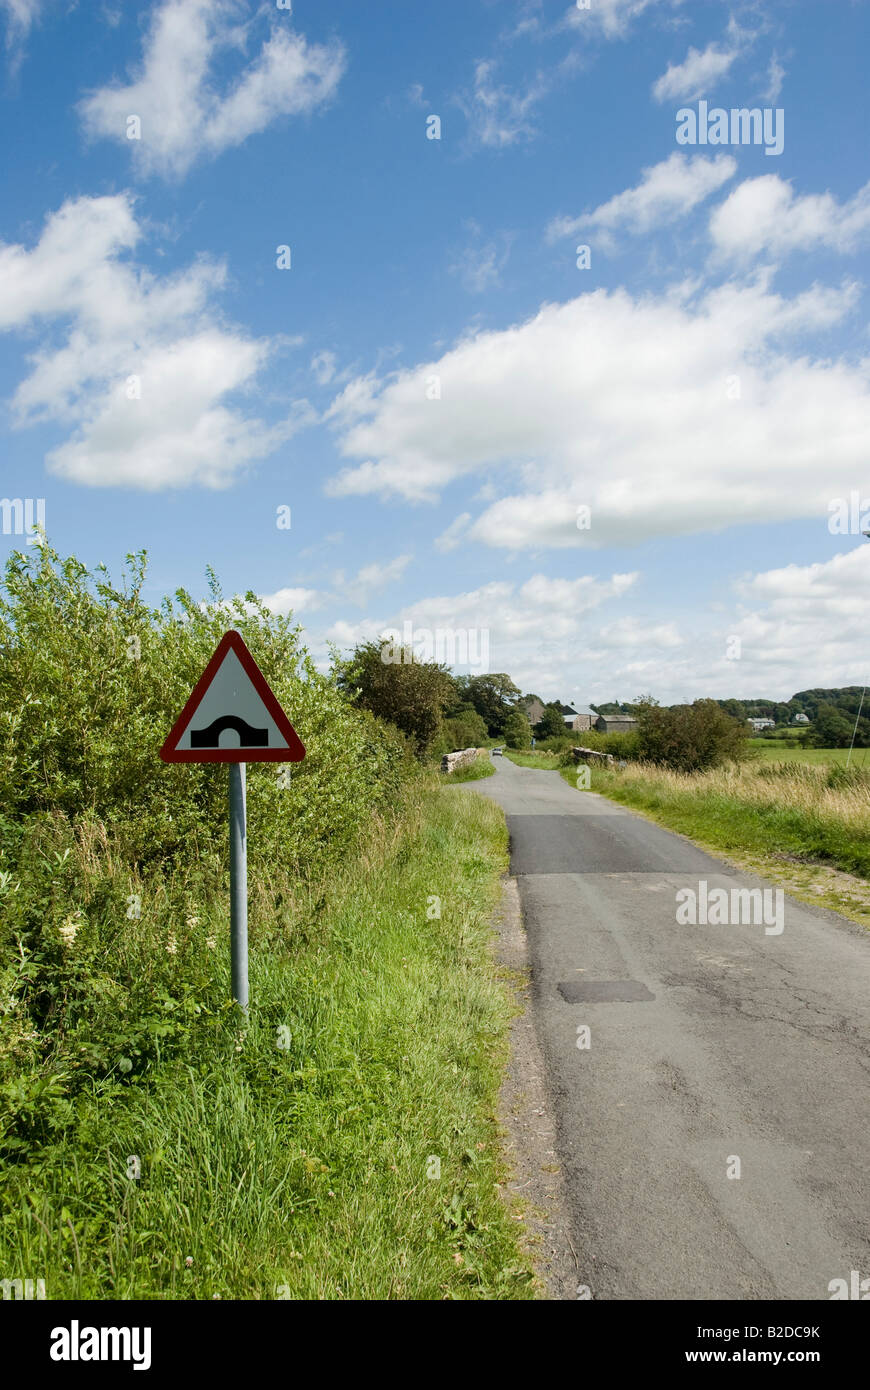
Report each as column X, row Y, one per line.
column 551, row 724
column 689, row 738
column 831, row 729
column 462, row 731
column 493, row 696
column 410, row 694
column 517, row 730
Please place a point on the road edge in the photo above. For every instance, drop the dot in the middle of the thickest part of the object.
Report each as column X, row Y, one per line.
column 534, row 1190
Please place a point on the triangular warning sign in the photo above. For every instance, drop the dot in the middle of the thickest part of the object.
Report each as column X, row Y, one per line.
column 232, row 715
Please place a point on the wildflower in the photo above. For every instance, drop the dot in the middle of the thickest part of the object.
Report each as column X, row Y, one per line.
column 189, row 1261
column 171, row 945
column 69, row 928
column 192, row 921
column 211, row 943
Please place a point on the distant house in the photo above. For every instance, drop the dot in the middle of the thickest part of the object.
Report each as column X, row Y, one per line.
column 576, row 719
column 759, row 724
column 615, row 723
column 801, row 719
column 533, row 710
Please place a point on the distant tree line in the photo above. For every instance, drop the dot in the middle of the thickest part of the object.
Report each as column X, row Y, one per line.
column 832, row 714
column 439, row 712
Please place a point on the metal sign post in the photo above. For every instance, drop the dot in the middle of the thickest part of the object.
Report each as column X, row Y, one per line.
column 238, row 886
column 233, row 698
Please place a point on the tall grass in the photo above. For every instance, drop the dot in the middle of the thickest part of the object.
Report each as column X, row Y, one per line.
column 814, row 812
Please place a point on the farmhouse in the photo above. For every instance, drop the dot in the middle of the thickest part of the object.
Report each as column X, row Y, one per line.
column 615, row 723
column 759, row 724
column 801, row 719
column 533, row 709
column 576, row 719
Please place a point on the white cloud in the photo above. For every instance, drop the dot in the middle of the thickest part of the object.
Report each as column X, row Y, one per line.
column 184, row 116
column 480, row 262
column 527, row 627
column 696, row 74
column 144, row 370
column 666, row 192
column 764, row 215
column 684, row 413
column 799, row 626
column 775, row 79
column 452, row 537
column 372, row 579
column 20, row 16
column 323, row 367
column 285, row 601
column 634, row 633
column 498, row 116
column 612, row 18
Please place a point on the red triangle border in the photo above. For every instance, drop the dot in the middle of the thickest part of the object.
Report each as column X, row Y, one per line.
column 170, row 753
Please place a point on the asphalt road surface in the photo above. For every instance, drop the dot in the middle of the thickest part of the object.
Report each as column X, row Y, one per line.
column 708, row 1043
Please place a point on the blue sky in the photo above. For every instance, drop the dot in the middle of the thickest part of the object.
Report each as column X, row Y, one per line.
column 433, row 387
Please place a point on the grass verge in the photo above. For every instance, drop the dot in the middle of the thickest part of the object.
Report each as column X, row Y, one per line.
column 472, row 772
column 295, row 1155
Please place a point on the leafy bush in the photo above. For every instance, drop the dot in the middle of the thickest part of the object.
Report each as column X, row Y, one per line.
column 113, row 863
column 689, row 738
column 517, row 730
column 465, row 731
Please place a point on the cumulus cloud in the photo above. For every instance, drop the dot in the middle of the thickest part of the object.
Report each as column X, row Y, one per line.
column 798, row 626
column 666, row 192
column 525, row 627
column 666, row 415
column 765, row 216
column 699, row 70
column 186, row 113
column 144, row 369
column 285, row 601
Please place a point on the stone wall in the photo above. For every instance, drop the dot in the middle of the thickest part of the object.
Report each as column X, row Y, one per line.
column 451, row 761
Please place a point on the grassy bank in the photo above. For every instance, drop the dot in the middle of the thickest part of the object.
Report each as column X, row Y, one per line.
column 294, row 1155
column 762, row 814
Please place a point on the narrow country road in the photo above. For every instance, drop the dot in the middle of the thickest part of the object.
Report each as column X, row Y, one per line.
column 709, row 1043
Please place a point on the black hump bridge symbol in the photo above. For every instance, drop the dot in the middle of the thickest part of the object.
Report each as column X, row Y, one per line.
column 210, row 737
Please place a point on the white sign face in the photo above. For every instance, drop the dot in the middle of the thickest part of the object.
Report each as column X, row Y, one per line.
column 232, row 715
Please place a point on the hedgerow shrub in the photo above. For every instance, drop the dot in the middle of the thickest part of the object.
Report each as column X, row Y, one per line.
column 113, row 864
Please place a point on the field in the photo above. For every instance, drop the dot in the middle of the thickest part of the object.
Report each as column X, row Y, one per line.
column 782, row 750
